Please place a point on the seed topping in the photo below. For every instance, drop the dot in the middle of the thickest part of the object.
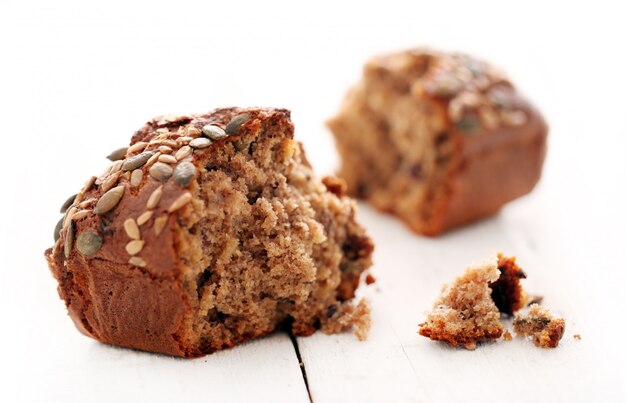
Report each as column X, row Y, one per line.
column 182, row 153
column 68, row 203
column 88, row 243
column 154, row 198
column 131, row 228
column 136, row 177
column 137, row 261
column 144, row 217
column 159, row 224
column 69, row 239
column 118, row 154
column 168, row 159
column 235, row 123
column 136, row 161
column 184, row 173
column 161, row 171
column 214, row 132
column 134, row 247
column 200, row 142
column 109, row 200
column 180, row 202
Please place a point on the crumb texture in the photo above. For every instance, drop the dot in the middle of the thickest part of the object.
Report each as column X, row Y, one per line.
column 545, row 330
column 466, row 312
column 438, row 139
column 209, row 230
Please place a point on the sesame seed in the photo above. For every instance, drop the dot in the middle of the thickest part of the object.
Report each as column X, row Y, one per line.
column 131, row 228
column 180, row 202
column 144, row 217
column 159, row 224
column 154, row 198
column 137, row 261
column 134, row 247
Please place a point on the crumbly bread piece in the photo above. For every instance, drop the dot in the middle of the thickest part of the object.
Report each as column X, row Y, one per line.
column 207, row 231
column 466, row 311
column 545, row 330
column 437, row 139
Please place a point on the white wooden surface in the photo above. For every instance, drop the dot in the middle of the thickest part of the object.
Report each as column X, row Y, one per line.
column 76, row 79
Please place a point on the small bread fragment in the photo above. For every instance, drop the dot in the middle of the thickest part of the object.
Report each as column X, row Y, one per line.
column 468, row 310
column 545, row 330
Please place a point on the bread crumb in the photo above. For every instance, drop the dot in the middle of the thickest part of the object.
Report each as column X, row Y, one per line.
column 468, row 310
column 507, row 336
column 347, row 317
column 545, row 330
column 369, row 279
column 577, row 336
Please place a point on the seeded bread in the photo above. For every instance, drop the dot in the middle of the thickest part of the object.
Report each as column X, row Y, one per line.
column 437, row 139
column 468, row 310
column 209, row 230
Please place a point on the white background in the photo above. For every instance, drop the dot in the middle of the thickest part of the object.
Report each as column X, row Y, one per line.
column 77, row 77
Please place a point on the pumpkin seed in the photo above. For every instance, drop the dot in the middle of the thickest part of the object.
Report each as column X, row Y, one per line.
column 68, row 203
column 88, row 243
column 161, row 171
column 184, row 173
column 136, row 161
column 214, row 132
column 57, row 230
column 235, row 123
column 109, row 200
column 118, row 154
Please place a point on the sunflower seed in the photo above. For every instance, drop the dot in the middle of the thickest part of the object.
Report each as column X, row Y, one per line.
column 80, row 214
column 159, row 224
column 69, row 239
column 161, row 171
column 131, row 228
column 184, row 140
column 134, row 247
column 201, row 142
column 153, row 159
column 88, row 243
column 192, row 131
column 136, row 161
column 57, row 230
column 165, row 149
column 163, row 130
column 109, row 200
column 168, row 159
column 144, row 217
column 118, row 154
column 88, row 185
column 214, row 132
column 137, row 261
column 184, row 173
column 116, row 166
column 235, row 123
column 110, row 181
column 154, row 198
column 513, row 118
column 85, row 203
column 68, row 215
column 68, row 203
column 180, row 202
column 139, row 146
column 182, row 153
column 136, row 177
